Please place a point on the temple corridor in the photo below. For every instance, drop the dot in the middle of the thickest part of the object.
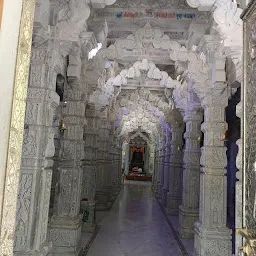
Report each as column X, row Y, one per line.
column 128, row 127
column 135, row 226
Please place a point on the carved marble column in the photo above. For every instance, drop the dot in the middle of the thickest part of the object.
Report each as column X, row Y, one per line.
column 151, row 158
column 89, row 169
column 119, row 163
column 66, row 222
column 156, row 171
column 102, row 190
column 36, row 164
column 167, row 151
column 161, row 166
column 112, row 168
column 127, row 157
column 158, row 166
column 246, row 184
column 101, row 153
column 116, row 164
column 174, row 195
column 212, row 237
column 189, row 210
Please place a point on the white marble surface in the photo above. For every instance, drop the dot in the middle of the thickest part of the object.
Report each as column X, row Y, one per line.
column 135, row 226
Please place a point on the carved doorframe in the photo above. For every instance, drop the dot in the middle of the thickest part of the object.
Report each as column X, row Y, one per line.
column 7, row 225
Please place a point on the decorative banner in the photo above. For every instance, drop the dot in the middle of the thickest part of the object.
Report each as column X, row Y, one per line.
column 150, row 13
column 162, row 15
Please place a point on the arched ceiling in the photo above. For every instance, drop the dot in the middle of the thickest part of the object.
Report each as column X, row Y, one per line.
column 141, row 91
column 140, row 106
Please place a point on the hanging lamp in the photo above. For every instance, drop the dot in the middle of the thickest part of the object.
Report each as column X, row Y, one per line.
column 224, row 136
column 62, row 126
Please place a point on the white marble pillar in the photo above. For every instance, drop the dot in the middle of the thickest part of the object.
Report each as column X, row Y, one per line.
column 102, row 145
column 158, row 166
column 151, row 159
column 155, row 173
column 239, row 183
column 16, row 27
column 189, row 210
column 167, row 152
column 161, row 165
column 212, row 237
column 117, row 164
column 111, row 167
column 66, row 222
column 36, row 165
column 104, row 181
column 89, row 169
column 174, row 195
column 162, row 162
column 127, row 157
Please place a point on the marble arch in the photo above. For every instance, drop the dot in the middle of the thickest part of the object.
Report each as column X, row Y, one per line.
column 106, row 90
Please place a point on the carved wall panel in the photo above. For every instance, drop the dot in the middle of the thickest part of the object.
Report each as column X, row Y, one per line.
column 249, row 118
column 16, row 128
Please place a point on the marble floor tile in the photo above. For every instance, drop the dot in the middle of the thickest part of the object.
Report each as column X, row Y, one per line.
column 135, row 226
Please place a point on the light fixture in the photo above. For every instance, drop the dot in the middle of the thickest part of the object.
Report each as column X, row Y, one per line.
column 224, row 136
column 62, row 126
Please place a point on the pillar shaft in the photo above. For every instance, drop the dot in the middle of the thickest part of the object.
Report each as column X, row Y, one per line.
column 66, row 221
column 127, row 158
column 89, row 170
column 189, row 210
column 156, row 171
column 212, row 237
column 167, row 152
column 37, row 153
column 160, row 169
column 175, row 172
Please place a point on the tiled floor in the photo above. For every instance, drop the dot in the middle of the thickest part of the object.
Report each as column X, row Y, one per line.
column 135, row 226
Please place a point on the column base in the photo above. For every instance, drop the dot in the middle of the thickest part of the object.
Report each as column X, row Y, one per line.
column 164, row 196
column 187, row 219
column 88, row 210
column 158, row 191
column 215, row 242
column 102, row 198
column 65, row 234
column 173, row 204
column 154, row 186
column 44, row 251
column 117, row 189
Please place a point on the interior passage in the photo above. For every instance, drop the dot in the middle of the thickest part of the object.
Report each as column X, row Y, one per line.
column 135, row 226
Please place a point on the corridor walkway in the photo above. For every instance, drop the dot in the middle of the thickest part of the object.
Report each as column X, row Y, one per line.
column 135, row 226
